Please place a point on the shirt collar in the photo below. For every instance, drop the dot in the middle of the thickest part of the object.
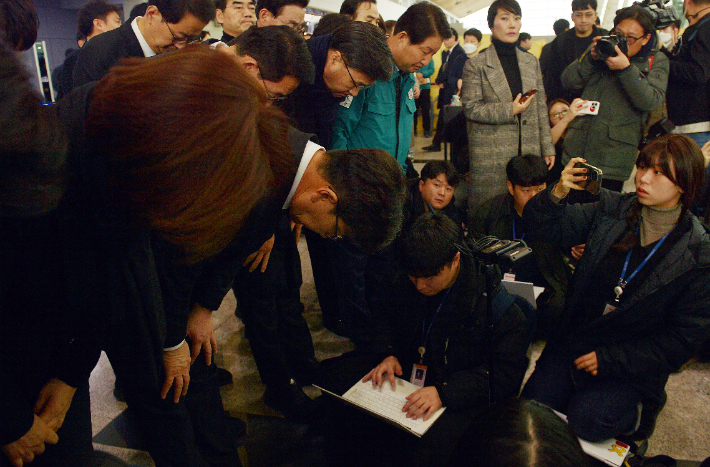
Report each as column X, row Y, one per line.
column 308, row 153
column 147, row 51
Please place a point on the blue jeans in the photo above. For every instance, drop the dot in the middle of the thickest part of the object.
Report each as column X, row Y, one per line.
column 597, row 408
column 700, row 138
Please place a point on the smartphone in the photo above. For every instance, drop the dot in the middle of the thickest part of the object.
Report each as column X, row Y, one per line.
column 593, row 183
column 590, row 108
column 528, row 95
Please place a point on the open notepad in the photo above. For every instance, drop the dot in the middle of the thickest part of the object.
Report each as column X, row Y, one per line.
column 386, row 403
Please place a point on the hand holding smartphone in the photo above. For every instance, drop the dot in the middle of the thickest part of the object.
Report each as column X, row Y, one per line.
column 528, row 95
column 593, row 183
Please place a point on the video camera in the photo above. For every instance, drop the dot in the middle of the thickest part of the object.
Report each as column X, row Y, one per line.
column 495, row 251
column 662, row 16
column 660, row 128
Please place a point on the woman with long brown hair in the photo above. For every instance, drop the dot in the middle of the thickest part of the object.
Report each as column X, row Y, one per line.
column 639, row 304
column 178, row 149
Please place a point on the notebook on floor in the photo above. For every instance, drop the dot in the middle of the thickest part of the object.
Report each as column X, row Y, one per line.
column 386, row 402
column 610, row 451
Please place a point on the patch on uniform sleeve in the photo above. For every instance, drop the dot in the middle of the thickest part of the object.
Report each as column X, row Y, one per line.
column 346, row 103
column 411, row 94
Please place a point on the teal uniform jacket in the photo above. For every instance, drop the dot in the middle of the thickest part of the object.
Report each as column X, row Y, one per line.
column 369, row 120
column 426, row 72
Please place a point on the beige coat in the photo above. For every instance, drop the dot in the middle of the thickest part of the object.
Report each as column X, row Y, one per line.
column 493, row 129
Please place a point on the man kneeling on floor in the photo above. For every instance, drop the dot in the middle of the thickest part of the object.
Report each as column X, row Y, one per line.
column 438, row 322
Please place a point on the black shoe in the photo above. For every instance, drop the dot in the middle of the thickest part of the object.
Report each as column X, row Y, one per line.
column 432, row 148
column 224, row 377
column 291, row 401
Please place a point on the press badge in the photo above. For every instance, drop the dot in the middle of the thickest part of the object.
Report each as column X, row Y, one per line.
column 411, row 94
column 348, row 100
column 609, row 308
column 509, row 276
column 418, row 375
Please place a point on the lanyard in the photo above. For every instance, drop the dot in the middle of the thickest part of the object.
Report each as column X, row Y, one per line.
column 514, row 237
column 425, row 334
column 619, row 289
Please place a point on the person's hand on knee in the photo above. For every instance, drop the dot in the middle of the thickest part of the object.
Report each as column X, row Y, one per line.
column 31, row 444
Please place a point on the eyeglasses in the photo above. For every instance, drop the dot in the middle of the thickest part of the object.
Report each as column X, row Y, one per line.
column 631, row 40
column 355, row 85
column 270, row 96
column 296, row 26
column 580, row 15
column 185, row 40
column 559, row 114
column 335, row 233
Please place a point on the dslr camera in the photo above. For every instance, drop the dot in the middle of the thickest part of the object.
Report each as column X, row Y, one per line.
column 662, row 16
column 606, row 46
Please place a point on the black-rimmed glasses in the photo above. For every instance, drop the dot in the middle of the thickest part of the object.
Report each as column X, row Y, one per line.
column 631, row 40
column 184, row 41
column 355, row 85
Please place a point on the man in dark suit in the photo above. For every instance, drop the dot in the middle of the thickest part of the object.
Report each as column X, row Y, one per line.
column 167, row 25
column 448, row 86
column 94, row 18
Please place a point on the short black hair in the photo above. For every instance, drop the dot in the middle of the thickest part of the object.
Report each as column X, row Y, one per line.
column 430, row 244
column 390, row 24
column 349, row 7
column 640, row 15
column 174, row 10
column 510, row 6
column 526, row 170
column 433, row 168
column 523, row 37
column 475, row 33
column 222, row 4
column 528, row 432
column 279, row 50
column 371, row 191
column 422, row 21
column 276, row 6
column 95, row 9
column 33, row 144
column 329, row 23
column 138, row 10
column 18, row 23
column 454, row 33
column 560, row 26
column 584, row 5
column 364, row 48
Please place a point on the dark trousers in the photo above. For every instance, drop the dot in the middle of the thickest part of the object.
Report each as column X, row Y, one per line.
column 354, row 438
column 270, row 306
column 597, row 408
column 193, row 432
column 74, row 435
column 424, row 107
column 345, row 280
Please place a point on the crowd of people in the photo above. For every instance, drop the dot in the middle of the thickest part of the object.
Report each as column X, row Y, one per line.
column 174, row 168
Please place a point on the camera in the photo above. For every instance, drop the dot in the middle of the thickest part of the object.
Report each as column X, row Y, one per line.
column 660, row 128
column 606, row 47
column 494, row 251
column 662, row 16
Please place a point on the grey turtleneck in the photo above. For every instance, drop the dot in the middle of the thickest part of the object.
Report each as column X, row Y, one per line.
column 656, row 222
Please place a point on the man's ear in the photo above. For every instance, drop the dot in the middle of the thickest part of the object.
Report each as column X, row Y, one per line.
column 457, row 259
column 250, row 64
column 219, row 16
column 421, row 185
column 325, row 193
column 153, row 14
column 264, row 15
column 510, row 187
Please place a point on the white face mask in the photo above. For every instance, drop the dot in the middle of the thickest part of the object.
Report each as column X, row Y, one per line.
column 666, row 38
column 470, row 48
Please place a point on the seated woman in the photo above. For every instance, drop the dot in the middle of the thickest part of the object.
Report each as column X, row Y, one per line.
column 438, row 321
column 639, row 306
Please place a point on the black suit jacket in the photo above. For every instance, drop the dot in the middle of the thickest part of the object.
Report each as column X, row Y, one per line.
column 103, row 51
column 450, row 84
